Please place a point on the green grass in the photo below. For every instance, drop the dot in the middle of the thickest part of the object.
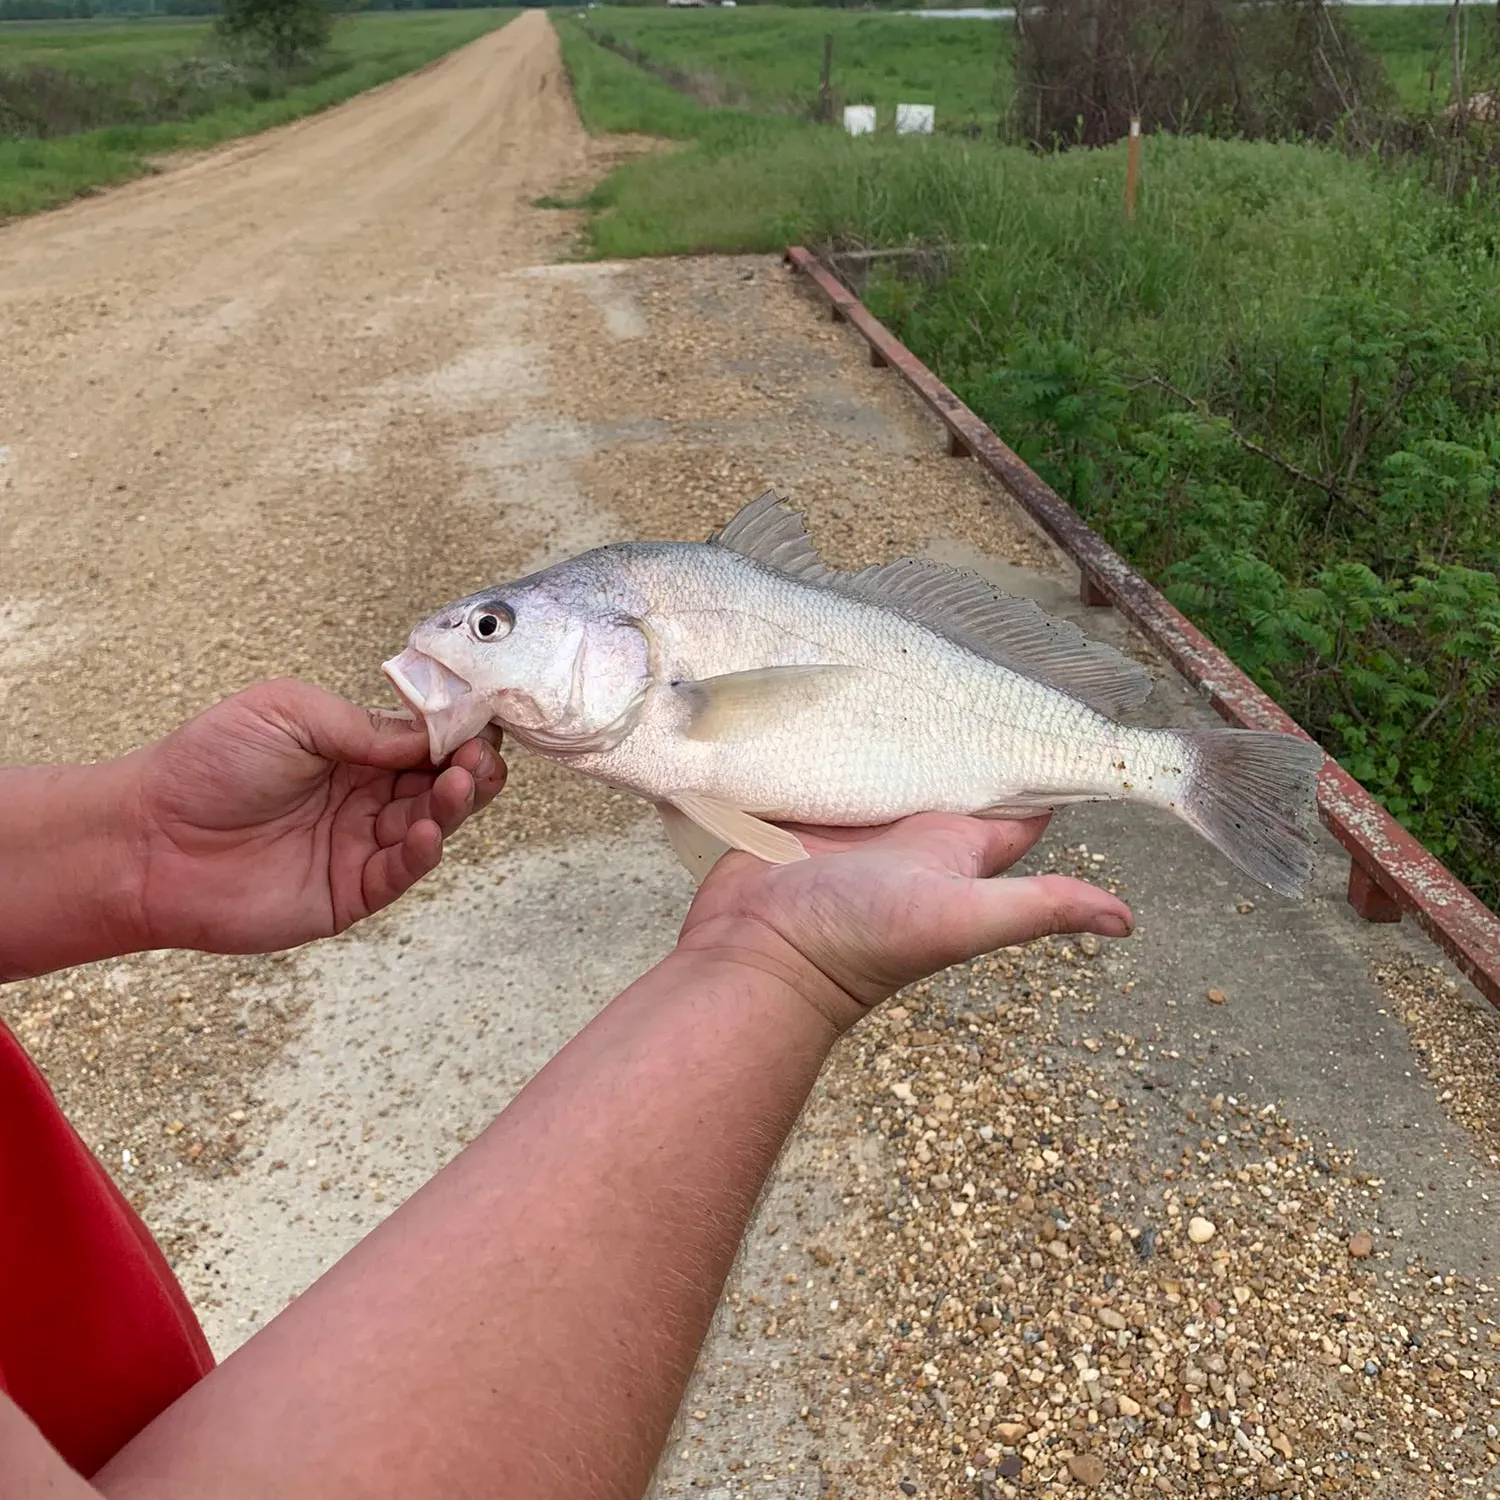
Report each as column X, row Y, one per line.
column 1336, row 315
column 99, row 48
column 769, row 58
column 1413, row 42
column 368, row 50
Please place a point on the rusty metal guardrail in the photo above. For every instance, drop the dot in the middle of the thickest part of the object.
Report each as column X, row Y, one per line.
column 1390, row 872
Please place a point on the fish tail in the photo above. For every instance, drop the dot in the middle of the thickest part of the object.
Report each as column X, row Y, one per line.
column 1253, row 795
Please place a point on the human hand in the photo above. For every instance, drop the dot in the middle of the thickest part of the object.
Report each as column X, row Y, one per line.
column 875, row 909
column 285, row 813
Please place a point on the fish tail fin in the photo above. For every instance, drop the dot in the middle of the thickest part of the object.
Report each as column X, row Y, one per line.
column 1253, row 795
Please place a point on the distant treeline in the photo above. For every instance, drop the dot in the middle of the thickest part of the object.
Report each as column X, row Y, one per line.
column 82, row 10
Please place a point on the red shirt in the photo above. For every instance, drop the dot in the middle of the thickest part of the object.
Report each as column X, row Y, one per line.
column 96, row 1335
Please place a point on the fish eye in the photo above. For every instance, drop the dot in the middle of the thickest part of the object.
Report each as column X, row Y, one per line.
column 491, row 622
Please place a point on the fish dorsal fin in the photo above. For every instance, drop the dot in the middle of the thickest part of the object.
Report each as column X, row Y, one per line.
column 769, row 531
column 1008, row 629
column 958, row 604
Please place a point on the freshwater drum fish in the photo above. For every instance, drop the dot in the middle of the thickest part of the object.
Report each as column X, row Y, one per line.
column 740, row 683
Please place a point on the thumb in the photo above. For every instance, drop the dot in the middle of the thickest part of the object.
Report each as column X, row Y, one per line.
column 336, row 729
column 1018, row 909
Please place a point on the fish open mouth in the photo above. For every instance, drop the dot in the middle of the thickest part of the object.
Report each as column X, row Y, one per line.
column 449, row 708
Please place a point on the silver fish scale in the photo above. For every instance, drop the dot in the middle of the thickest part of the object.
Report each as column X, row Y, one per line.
column 918, row 723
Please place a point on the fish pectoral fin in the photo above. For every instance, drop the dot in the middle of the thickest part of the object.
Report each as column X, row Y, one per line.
column 740, row 830
column 697, row 849
column 719, row 708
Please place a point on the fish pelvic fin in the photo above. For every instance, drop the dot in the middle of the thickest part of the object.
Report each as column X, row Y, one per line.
column 1253, row 794
column 697, row 850
column 738, row 829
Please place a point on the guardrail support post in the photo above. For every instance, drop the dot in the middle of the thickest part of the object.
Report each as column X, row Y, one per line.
column 1091, row 593
column 1369, row 898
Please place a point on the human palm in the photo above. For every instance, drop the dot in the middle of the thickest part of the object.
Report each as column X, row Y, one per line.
column 877, row 908
column 285, row 814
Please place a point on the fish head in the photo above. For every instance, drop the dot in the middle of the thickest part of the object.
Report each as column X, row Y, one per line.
column 558, row 667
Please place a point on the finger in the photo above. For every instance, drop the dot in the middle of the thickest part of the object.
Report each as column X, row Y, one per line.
column 451, row 800
column 412, row 784
column 446, row 800
column 998, row 913
column 476, row 758
column 395, row 870
column 998, row 843
column 480, row 757
column 490, row 777
column 966, row 846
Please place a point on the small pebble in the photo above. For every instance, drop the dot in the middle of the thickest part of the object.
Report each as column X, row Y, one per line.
column 1360, row 1245
column 1086, row 1468
column 1200, row 1230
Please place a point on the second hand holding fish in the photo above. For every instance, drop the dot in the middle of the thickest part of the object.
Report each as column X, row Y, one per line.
column 882, row 907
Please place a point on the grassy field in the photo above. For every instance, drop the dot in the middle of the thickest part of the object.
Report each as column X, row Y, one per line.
column 151, row 88
column 1413, row 42
column 1276, row 391
column 769, row 59
column 99, row 48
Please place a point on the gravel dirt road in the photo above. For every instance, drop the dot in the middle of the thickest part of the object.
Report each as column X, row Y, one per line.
column 1205, row 1213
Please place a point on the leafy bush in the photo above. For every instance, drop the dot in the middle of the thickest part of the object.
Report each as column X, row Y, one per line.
column 43, row 103
column 281, row 33
column 1301, row 445
column 1276, row 69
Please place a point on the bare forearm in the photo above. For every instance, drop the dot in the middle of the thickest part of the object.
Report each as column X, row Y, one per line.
column 66, row 877
column 526, row 1324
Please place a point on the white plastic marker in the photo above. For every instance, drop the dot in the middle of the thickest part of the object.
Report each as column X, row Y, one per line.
column 859, row 119
column 914, row 119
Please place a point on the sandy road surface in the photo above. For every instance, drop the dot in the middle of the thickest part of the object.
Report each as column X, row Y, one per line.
column 258, row 414
column 184, row 392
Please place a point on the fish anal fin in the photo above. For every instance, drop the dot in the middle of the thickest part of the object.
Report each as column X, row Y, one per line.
column 770, row 532
column 740, row 830
column 697, row 849
column 1013, row 631
column 739, row 703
